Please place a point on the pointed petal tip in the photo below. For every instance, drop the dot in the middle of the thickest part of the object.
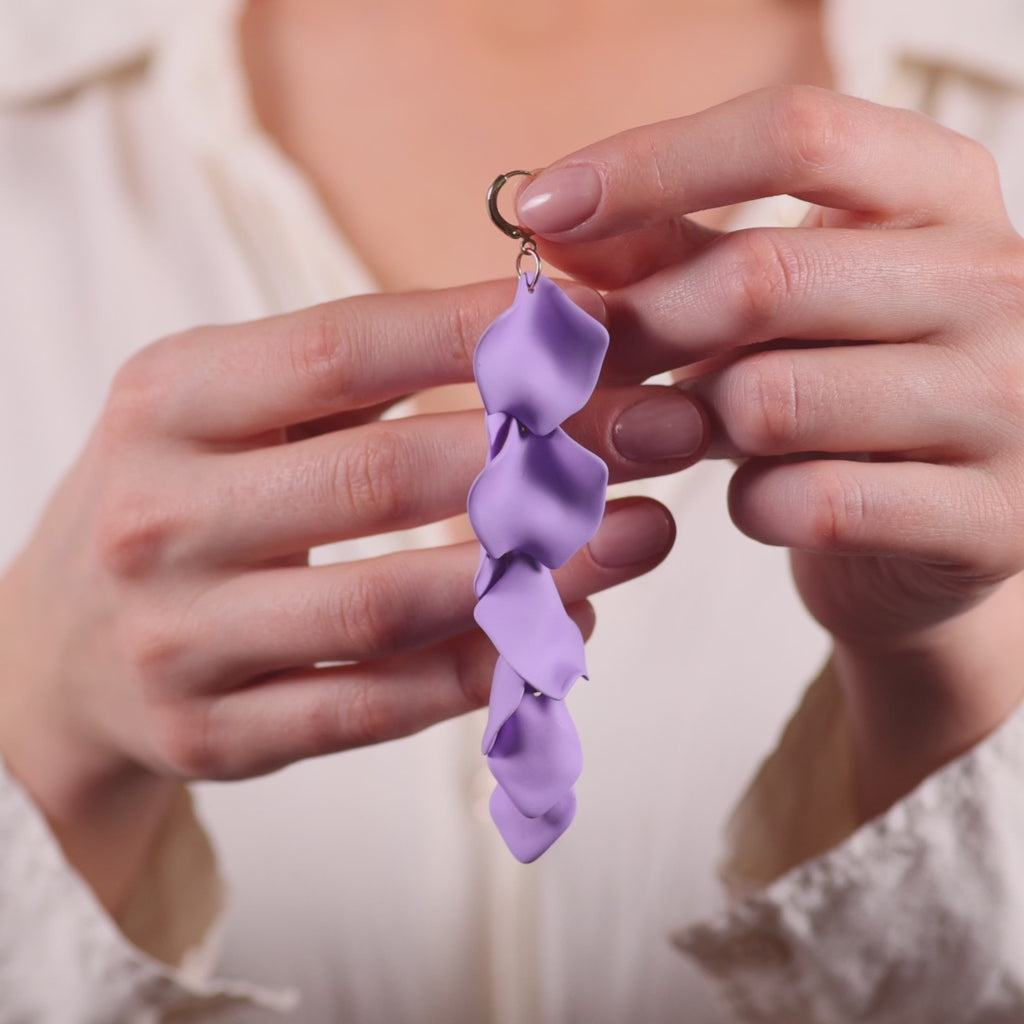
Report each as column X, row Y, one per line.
column 507, row 691
column 537, row 757
column 529, row 838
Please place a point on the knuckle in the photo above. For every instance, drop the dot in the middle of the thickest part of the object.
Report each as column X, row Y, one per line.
column 994, row 380
column 323, row 722
column 153, row 650
column 653, row 160
column 765, row 399
column 640, row 163
column 977, row 170
column 1002, row 278
column 186, row 743
column 765, row 275
column 374, row 477
column 153, row 647
column 463, row 330
column 139, row 388
column 814, row 127
column 321, row 356
column 838, row 509
column 368, row 718
column 367, row 611
column 133, row 534
column 1008, row 401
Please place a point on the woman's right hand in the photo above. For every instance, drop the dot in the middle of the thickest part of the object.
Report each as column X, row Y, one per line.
column 163, row 622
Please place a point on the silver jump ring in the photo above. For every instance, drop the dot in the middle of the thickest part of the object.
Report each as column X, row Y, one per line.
column 529, row 248
column 510, row 229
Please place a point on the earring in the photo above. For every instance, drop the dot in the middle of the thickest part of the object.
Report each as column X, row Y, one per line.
column 538, row 500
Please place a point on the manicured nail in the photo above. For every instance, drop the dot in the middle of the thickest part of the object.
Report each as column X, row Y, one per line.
column 631, row 534
column 559, row 200
column 667, row 427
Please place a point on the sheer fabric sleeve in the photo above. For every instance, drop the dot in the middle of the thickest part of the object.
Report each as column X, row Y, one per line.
column 63, row 958
column 917, row 915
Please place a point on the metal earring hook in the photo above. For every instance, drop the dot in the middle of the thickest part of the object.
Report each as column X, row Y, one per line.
column 510, row 229
column 527, row 246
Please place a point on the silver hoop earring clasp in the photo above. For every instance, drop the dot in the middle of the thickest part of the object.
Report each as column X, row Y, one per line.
column 527, row 246
column 510, row 229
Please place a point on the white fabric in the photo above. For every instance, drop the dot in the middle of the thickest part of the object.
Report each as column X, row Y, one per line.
column 137, row 197
column 63, row 960
column 915, row 918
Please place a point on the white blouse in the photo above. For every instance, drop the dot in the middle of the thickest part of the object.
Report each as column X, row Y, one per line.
column 138, row 197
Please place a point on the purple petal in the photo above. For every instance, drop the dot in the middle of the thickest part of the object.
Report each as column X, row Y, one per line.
column 537, row 756
column 498, row 425
column 528, row 838
column 542, row 495
column 507, row 690
column 524, row 617
column 540, row 360
column 487, row 573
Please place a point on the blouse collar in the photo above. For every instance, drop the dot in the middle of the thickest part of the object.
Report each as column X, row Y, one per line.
column 873, row 42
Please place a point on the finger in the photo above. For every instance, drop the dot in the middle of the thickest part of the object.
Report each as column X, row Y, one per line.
column 342, row 420
column 274, row 619
column 239, row 381
column 817, row 145
column 402, row 473
column 918, row 400
column 384, row 476
column 762, row 284
column 610, row 263
column 642, row 431
column 312, row 712
column 947, row 516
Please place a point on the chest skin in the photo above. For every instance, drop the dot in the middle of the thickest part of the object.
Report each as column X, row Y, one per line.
column 401, row 114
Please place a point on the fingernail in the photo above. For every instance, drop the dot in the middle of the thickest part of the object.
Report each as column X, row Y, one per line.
column 631, row 534
column 667, row 427
column 559, row 200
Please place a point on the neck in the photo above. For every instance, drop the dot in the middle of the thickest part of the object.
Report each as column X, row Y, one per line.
column 509, row 28
column 354, row 94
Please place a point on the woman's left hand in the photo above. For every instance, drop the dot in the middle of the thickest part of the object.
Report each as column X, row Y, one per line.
column 867, row 369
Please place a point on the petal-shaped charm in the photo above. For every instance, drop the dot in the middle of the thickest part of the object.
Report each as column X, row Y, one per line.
column 540, row 360
column 539, row 499
column 488, row 572
column 537, row 756
column 498, row 425
column 507, row 690
column 528, row 838
column 542, row 495
column 523, row 615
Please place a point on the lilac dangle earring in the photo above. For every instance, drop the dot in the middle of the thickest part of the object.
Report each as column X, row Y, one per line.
column 538, row 500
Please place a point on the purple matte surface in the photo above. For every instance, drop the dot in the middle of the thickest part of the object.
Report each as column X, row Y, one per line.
column 487, row 572
column 528, row 838
column 507, row 690
column 540, row 360
column 526, row 620
column 554, row 486
column 537, row 756
column 538, row 500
